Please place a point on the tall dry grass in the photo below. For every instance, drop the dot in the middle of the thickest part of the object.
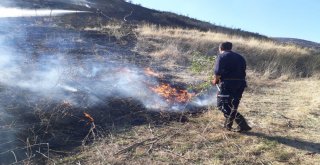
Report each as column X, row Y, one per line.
column 284, row 115
column 266, row 57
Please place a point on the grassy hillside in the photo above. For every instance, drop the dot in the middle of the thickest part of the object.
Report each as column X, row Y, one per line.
column 106, row 10
column 281, row 107
column 267, row 58
column 301, row 42
column 281, row 102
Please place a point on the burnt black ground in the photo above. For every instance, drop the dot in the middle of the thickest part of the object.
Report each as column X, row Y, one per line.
column 61, row 126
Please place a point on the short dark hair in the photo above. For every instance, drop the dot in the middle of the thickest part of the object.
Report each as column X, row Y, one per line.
column 226, row 46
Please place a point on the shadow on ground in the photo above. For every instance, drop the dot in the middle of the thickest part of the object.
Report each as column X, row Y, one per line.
column 295, row 143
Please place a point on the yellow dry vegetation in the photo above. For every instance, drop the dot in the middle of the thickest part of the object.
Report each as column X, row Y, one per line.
column 282, row 108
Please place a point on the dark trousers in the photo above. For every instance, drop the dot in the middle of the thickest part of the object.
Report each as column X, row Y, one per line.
column 228, row 100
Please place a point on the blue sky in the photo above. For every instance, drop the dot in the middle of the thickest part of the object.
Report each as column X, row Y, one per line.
column 273, row 18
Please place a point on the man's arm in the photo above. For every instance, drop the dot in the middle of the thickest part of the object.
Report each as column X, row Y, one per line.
column 217, row 71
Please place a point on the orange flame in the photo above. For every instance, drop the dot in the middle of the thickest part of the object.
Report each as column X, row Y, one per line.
column 172, row 94
column 86, row 115
column 90, row 122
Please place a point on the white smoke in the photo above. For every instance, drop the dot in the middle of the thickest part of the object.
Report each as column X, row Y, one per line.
column 75, row 2
column 58, row 79
column 83, row 83
column 207, row 98
column 57, row 76
column 17, row 12
column 28, row 79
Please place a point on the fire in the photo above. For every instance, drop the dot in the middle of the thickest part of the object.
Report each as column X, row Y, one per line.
column 172, row 94
column 89, row 118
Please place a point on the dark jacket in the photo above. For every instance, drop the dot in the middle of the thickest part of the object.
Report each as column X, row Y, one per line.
column 230, row 66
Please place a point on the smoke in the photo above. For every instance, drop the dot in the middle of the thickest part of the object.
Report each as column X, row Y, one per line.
column 34, row 68
column 207, row 98
column 14, row 2
column 38, row 63
column 16, row 12
column 7, row 3
column 62, row 79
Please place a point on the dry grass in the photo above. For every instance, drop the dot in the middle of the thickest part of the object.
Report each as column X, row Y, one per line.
column 284, row 117
column 114, row 28
column 197, row 36
column 283, row 112
column 271, row 59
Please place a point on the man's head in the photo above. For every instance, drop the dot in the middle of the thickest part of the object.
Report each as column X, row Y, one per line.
column 225, row 46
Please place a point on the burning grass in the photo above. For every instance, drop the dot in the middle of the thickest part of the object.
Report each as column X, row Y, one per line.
column 173, row 95
column 67, row 101
column 74, row 119
column 202, row 140
column 112, row 112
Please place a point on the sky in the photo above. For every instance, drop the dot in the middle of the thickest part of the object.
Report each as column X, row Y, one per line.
column 273, row 18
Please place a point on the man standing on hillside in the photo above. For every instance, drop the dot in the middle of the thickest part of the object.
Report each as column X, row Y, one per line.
column 230, row 74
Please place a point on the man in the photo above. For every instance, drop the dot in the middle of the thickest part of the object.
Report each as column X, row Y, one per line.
column 230, row 74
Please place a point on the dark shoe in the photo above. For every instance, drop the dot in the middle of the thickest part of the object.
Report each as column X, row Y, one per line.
column 242, row 124
column 243, row 129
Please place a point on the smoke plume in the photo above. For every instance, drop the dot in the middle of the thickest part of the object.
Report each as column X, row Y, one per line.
column 39, row 63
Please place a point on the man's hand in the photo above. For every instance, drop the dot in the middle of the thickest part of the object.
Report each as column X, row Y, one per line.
column 216, row 80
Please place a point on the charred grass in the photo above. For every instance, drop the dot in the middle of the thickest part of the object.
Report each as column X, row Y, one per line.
column 281, row 107
column 285, row 131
